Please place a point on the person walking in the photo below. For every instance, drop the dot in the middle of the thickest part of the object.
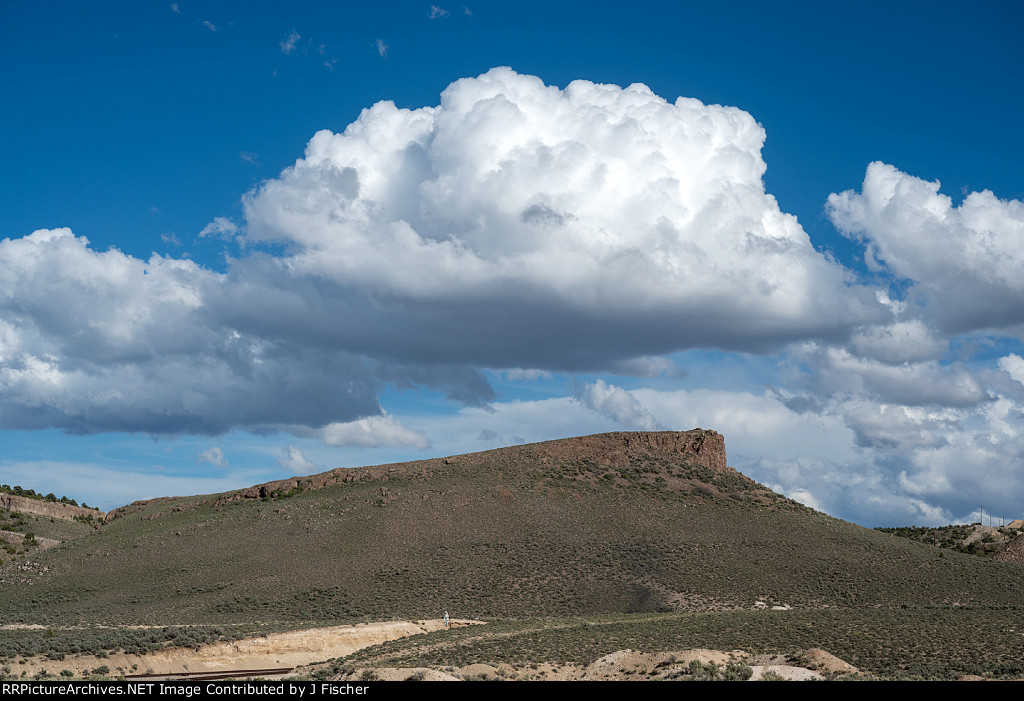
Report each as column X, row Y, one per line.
column 446, row 619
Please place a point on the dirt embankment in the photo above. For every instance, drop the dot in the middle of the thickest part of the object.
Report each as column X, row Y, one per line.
column 319, row 645
column 271, row 651
column 630, row 665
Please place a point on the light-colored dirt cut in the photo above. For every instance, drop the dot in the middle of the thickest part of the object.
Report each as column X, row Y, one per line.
column 629, row 665
column 275, row 650
column 786, row 672
column 826, row 663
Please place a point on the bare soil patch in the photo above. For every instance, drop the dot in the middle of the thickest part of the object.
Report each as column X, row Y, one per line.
column 289, row 649
column 618, row 666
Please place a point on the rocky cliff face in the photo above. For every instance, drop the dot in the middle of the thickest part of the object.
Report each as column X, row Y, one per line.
column 699, row 446
column 46, row 508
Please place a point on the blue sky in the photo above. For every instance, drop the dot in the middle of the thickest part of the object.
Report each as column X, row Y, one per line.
column 225, row 260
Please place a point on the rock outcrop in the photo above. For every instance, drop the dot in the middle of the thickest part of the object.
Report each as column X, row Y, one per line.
column 133, row 507
column 699, row 446
column 49, row 509
column 1012, row 551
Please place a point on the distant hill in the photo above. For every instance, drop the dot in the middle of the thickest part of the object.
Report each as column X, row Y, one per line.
column 972, row 538
column 30, row 522
column 18, row 491
column 616, row 523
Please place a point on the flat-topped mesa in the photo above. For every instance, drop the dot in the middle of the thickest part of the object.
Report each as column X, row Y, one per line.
column 699, row 446
column 620, row 449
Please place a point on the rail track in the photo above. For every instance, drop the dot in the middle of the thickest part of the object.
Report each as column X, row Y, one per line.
column 210, row 675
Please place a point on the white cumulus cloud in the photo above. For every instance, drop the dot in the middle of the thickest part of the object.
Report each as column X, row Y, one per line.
column 967, row 261
column 899, row 342
column 1013, row 365
column 373, row 432
column 838, row 370
column 295, row 462
column 617, row 404
column 606, row 221
column 514, row 225
column 93, row 342
column 220, row 226
column 214, row 456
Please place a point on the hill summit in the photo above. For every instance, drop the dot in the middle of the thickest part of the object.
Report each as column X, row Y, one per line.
column 607, row 450
column 624, row 522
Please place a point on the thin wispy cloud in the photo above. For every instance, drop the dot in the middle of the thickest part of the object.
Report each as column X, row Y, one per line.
column 288, row 43
column 382, row 48
column 174, row 8
column 210, row 25
column 437, row 12
column 249, row 157
column 221, row 227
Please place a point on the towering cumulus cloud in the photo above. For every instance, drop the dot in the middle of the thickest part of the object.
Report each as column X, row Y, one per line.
column 518, row 224
column 515, row 225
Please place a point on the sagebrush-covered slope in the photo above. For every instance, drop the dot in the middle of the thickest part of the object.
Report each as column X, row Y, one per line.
column 616, row 523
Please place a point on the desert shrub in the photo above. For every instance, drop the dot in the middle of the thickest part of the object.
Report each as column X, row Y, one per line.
column 736, row 672
column 700, row 672
column 713, row 672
